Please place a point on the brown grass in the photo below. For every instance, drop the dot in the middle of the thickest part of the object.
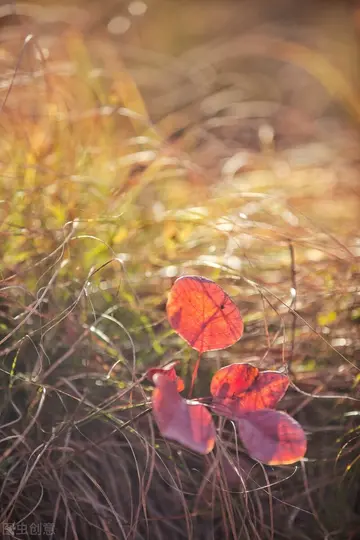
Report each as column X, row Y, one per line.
column 120, row 171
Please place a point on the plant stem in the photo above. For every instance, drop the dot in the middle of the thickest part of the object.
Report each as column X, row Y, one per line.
column 194, row 375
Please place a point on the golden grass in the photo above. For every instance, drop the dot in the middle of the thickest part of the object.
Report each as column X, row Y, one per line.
column 104, row 200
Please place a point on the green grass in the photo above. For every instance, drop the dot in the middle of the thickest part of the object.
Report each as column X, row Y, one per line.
column 101, row 207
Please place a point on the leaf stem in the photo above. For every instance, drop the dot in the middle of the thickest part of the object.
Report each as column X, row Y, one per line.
column 194, row 375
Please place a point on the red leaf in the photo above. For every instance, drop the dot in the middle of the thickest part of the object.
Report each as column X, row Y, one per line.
column 231, row 381
column 266, row 391
column 187, row 423
column 272, row 437
column 203, row 314
column 240, row 387
column 170, row 372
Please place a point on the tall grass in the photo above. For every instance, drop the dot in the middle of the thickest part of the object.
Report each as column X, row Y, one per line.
column 108, row 191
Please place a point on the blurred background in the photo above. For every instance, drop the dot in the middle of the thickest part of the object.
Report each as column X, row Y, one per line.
column 144, row 140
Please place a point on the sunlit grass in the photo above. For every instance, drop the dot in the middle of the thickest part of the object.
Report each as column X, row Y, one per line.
column 101, row 208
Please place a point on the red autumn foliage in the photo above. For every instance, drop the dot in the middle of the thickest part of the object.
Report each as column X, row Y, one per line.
column 272, row 437
column 168, row 371
column 188, row 423
column 204, row 315
column 241, row 387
